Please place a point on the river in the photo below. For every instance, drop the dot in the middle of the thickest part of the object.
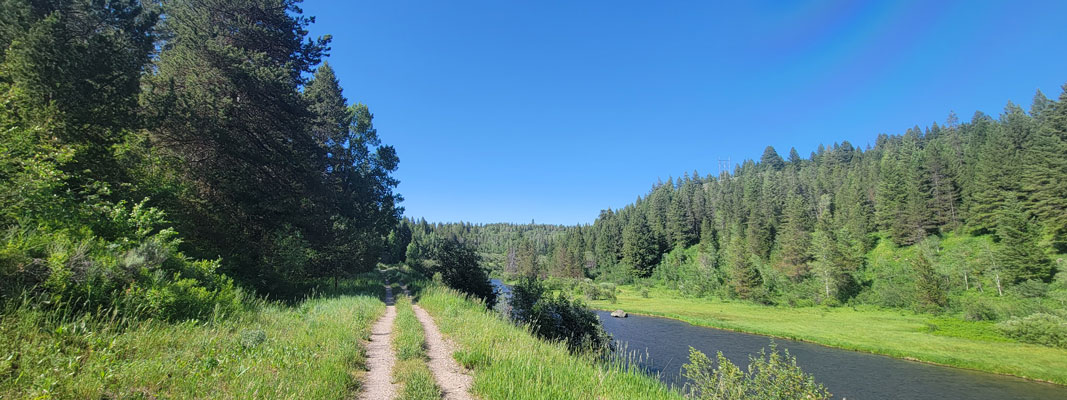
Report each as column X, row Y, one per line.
column 663, row 344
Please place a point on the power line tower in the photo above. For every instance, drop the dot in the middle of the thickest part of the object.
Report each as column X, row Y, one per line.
column 725, row 165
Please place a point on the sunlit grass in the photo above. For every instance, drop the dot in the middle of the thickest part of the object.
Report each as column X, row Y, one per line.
column 507, row 362
column 409, row 340
column 903, row 334
column 311, row 350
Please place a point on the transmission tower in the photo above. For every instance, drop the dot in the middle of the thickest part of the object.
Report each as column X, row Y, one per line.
column 725, row 165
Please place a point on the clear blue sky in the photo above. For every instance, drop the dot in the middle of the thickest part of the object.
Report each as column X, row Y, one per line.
column 506, row 111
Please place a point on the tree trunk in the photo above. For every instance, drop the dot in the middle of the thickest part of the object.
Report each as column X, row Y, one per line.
column 1000, row 291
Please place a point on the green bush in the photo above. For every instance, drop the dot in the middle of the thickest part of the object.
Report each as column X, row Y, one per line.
column 133, row 266
column 607, row 291
column 1031, row 289
column 979, row 309
column 460, row 268
column 1044, row 329
column 771, row 375
column 557, row 317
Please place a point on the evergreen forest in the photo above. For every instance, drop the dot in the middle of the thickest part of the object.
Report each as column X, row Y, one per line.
column 957, row 216
column 172, row 158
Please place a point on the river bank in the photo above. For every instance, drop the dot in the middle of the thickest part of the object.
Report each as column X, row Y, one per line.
column 896, row 333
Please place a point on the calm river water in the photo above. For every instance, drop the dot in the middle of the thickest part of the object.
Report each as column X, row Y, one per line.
column 664, row 346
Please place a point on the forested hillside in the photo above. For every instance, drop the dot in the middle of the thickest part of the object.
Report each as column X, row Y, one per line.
column 918, row 220
column 153, row 151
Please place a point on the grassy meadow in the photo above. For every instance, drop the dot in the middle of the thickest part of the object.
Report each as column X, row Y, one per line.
column 507, row 362
column 308, row 350
column 903, row 334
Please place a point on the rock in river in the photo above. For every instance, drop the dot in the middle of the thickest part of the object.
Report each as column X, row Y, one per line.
column 618, row 314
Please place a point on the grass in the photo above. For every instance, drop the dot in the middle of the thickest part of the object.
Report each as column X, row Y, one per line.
column 902, row 334
column 415, row 379
column 311, row 349
column 509, row 363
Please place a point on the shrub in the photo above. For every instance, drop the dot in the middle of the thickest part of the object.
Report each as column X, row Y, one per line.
column 460, row 269
column 1031, row 289
column 1044, row 329
column 607, row 292
column 590, row 291
column 557, row 317
column 136, row 268
column 602, row 291
column 979, row 309
column 250, row 338
column 771, row 375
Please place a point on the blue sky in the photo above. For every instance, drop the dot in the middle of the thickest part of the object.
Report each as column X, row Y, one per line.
column 512, row 111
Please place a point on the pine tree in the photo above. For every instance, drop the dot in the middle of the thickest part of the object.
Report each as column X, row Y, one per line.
column 527, row 261
column 823, row 264
column 929, row 284
column 794, row 240
column 680, row 220
column 608, row 248
column 745, row 278
column 891, row 193
column 794, row 158
column 771, row 160
column 915, row 220
column 639, row 248
column 944, row 199
column 1018, row 252
column 1044, row 180
column 70, row 80
column 708, row 234
column 994, row 177
column 224, row 101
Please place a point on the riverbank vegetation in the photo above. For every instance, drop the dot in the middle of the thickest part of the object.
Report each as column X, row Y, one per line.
column 898, row 333
column 769, row 375
column 507, row 362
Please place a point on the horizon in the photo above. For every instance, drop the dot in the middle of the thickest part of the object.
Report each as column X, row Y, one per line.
column 529, row 104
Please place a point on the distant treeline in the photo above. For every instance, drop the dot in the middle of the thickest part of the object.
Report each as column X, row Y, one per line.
column 835, row 225
column 138, row 138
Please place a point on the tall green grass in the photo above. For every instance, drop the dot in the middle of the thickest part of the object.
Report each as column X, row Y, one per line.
column 409, row 341
column 509, row 363
column 308, row 350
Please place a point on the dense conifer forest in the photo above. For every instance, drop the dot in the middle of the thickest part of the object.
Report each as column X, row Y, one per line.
column 943, row 217
column 160, row 157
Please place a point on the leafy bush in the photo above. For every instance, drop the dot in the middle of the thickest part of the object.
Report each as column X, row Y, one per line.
column 607, row 292
column 1044, row 329
column 771, row 375
column 1031, row 289
column 460, row 269
column 979, row 309
column 134, row 266
column 601, row 291
column 557, row 317
column 692, row 271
